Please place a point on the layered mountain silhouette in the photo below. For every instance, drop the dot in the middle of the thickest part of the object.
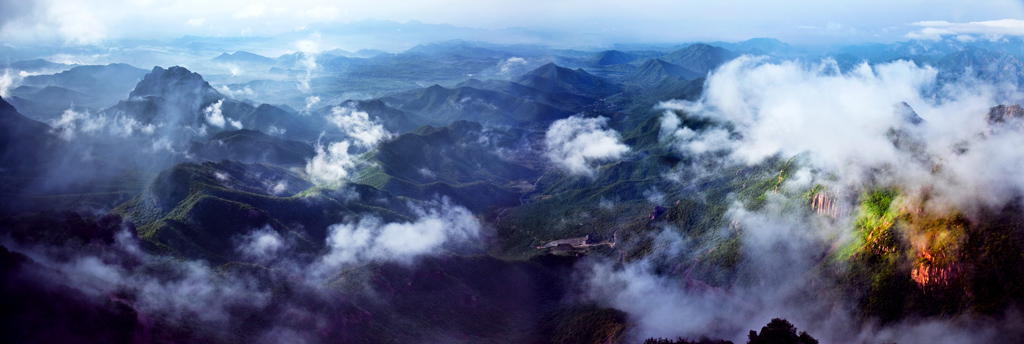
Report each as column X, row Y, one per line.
column 93, row 87
column 244, row 57
column 160, row 184
column 612, row 57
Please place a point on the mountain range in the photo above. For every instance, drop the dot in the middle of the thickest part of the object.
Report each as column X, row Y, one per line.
column 463, row 191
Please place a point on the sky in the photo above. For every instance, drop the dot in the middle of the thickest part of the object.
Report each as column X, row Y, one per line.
column 78, row 22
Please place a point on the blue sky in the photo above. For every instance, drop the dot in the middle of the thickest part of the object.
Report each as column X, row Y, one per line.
column 799, row 21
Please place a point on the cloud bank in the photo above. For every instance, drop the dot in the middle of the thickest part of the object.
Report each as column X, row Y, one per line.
column 989, row 29
column 848, row 125
column 891, row 124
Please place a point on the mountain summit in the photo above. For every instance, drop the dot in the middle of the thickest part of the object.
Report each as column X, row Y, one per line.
column 554, row 79
column 175, row 84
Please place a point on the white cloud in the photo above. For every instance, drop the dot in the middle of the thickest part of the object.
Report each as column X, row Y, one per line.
column 308, row 49
column 245, row 92
column 936, row 29
column 213, row 114
column 686, row 139
column 193, row 291
column 791, row 109
column 73, row 123
column 260, row 245
column 273, row 130
column 78, row 23
column 512, row 66
column 330, row 166
column 6, row 80
column 576, row 143
column 358, row 125
column 279, row 188
column 843, row 124
column 312, row 101
column 371, row 238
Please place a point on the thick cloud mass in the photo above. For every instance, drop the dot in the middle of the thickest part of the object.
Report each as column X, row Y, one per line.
column 846, row 124
column 215, row 117
column 791, row 109
column 892, row 124
column 576, row 143
column 331, row 164
column 333, row 161
column 989, row 29
column 371, row 238
column 358, row 125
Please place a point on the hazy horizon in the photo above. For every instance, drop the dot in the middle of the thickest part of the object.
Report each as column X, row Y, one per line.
column 83, row 23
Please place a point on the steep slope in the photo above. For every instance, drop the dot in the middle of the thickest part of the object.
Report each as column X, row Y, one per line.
column 252, row 146
column 195, row 210
column 655, row 71
column 172, row 101
column 176, row 84
column 460, row 161
column 290, row 124
column 182, row 106
column 24, row 143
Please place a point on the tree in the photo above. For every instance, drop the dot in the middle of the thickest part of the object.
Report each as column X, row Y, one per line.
column 702, row 340
column 780, row 331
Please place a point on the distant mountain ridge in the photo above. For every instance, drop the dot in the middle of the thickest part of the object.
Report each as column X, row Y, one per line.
column 244, row 57
column 700, row 58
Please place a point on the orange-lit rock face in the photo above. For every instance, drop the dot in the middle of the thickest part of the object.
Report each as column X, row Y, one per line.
column 937, row 240
column 934, row 270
